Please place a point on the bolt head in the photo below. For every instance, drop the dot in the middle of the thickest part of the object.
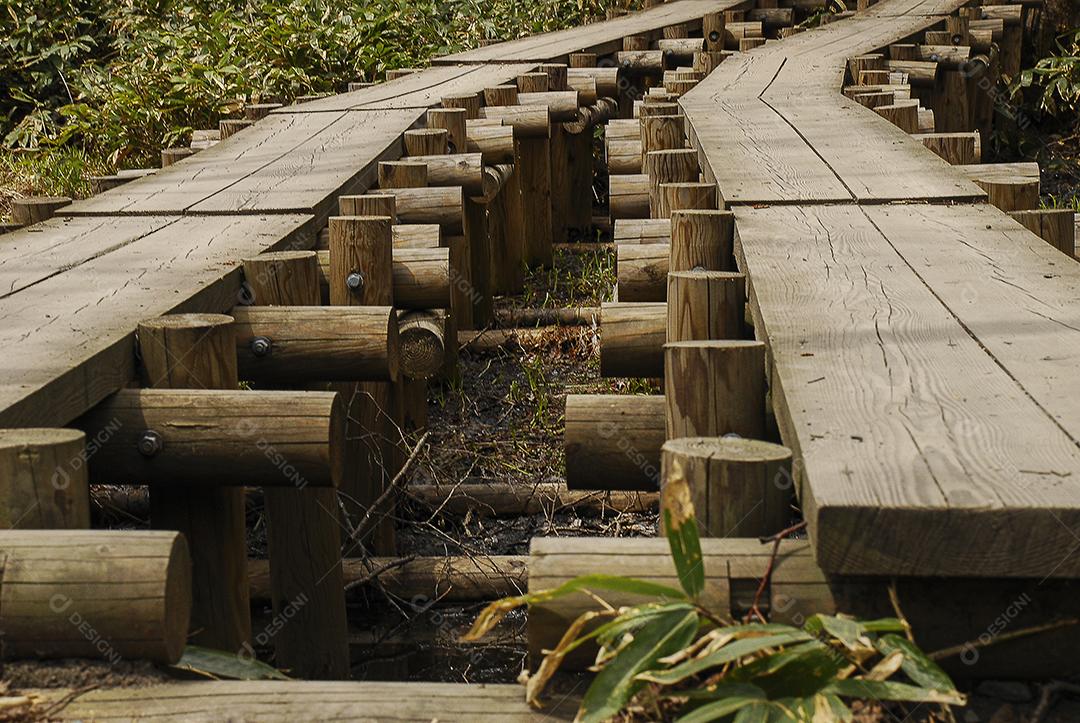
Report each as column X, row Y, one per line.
column 355, row 281
column 261, row 346
column 150, row 443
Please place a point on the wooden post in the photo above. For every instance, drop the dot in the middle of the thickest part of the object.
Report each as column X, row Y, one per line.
column 705, row 305
column 1011, row 193
column 662, row 133
column 198, row 351
column 690, row 195
column 103, row 594
column 303, row 530
column 702, row 239
column 470, row 102
column 641, row 271
column 959, row 149
column 668, row 167
column 43, row 479
column 739, row 487
column 361, row 274
column 26, row 211
column 712, row 29
column 403, row 174
column 371, row 204
column 427, row 141
column 533, row 163
column 713, row 388
column 583, row 60
column 632, row 342
column 170, row 156
column 1056, row 227
column 453, row 120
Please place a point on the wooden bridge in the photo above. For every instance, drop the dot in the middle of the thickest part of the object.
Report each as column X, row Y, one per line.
column 810, row 253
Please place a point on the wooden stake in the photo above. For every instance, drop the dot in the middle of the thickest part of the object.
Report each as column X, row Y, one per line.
column 632, row 343
column 739, row 487
column 613, row 441
column 361, row 275
column 403, row 174
column 454, row 121
column 691, row 195
column 668, row 167
column 43, row 479
column 1056, row 227
column 198, row 351
column 705, row 305
column 26, row 211
column 470, row 102
column 371, row 204
column 713, row 388
column 702, row 239
column 427, row 141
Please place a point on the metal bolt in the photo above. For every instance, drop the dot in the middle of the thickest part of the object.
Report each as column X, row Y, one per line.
column 150, row 443
column 355, row 282
column 714, row 36
column 261, row 346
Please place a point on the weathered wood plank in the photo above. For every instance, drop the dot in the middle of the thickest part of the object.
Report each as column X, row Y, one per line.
column 601, row 38
column 920, row 453
column 287, row 701
column 70, row 336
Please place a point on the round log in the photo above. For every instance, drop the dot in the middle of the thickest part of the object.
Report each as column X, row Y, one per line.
column 706, row 61
column 662, row 133
column 95, row 594
column 904, row 115
column 371, row 204
column 628, row 196
column 582, row 60
column 283, row 344
column 705, row 305
column 280, row 278
column 658, row 108
column 170, row 156
column 427, row 142
column 443, row 205
column 231, row 126
column 613, row 441
column 1011, row 194
column 623, row 157
column 402, row 174
column 959, row 149
column 688, row 195
column 495, row 143
column 668, row 167
column 642, row 231
column 556, row 73
column 422, row 343
column 632, row 339
column 43, row 479
column 34, row 209
column 527, row 121
column 531, row 83
column 360, row 260
column 453, row 121
column 258, row 111
column 500, row 95
column 713, row 388
column 681, row 50
column 1056, row 226
column 421, row 278
column 510, row 500
column 713, row 31
column 641, row 271
column 606, row 79
column 641, row 62
column 739, row 487
column 219, row 438
column 457, row 169
column 469, row 102
column 562, row 106
column 702, row 239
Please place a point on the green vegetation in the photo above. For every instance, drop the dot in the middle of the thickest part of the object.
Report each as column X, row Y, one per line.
column 673, row 658
column 114, row 81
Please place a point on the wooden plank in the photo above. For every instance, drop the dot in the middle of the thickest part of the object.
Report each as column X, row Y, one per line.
column 601, row 37
column 72, row 332
column 423, row 89
column 175, row 189
column 919, row 453
column 31, row 255
column 288, row 163
column 339, row 159
column 286, row 701
column 754, row 156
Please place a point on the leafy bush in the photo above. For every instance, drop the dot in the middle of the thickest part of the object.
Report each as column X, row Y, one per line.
column 124, row 78
column 1057, row 78
column 674, row 657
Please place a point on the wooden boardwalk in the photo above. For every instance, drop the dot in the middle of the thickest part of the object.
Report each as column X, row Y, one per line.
column 919, row 344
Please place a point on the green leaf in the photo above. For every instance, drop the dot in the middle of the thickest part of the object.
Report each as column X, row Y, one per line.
column 887, row 690
column 731, row 698
column 883, row 625
column 847, row 631
column 680, row 526
column 801, row 670
column 734, row 650
column 916, row 665
column 491, row 615
column 615, row 685
column 219, row 664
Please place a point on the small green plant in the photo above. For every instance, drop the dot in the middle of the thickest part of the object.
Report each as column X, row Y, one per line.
column 1057, row 77
column 535, row 389
column 679, row 660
